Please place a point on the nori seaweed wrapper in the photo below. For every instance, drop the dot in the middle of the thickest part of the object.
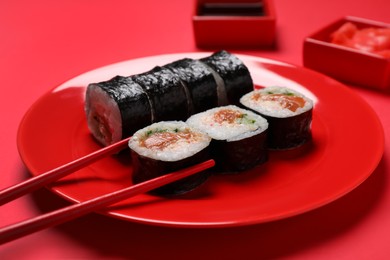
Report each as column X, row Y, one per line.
column 200, row 83
column 145, row 168
column 132, row 102
column 236, row 156
column 167, row 94
column 235, row 74
column 289, row 132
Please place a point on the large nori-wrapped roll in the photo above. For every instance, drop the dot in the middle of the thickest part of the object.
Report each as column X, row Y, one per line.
column 235, row 75
column 200, row 83
column 116, row 108
column 165, row 147
column 288, row 112
column 239, row 137
column 167, row 93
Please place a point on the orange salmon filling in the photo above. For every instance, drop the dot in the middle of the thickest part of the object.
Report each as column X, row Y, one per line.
column 161, row 140
column 227, row 115
column 292, row 103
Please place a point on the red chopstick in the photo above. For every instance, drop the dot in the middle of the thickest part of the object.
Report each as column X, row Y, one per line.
column 57, row 217
column 31, row 184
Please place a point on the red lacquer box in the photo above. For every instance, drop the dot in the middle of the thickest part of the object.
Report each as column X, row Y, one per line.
column 234, row 23
column 345, row 63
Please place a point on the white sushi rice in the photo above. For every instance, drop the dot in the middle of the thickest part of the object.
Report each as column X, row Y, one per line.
column 274, row 108
column 181, row 149
column 99, row 104
column 251, row 125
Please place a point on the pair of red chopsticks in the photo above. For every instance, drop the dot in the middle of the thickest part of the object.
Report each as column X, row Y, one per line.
column 57, row 217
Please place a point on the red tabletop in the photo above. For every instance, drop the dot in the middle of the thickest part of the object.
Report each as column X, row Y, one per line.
column 44, row 43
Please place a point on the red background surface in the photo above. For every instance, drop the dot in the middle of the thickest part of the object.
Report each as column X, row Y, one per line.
column 44, row 43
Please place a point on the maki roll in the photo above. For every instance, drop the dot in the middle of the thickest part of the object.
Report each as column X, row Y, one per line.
column 200, row 83
column 116, row 108
column 165, row 147
column 239, row 137
column 288, row 112
column 167, row 93
column 232, row 75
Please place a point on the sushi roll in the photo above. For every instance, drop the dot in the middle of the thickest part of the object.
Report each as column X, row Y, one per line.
column 200, row 83
column 239, row 137
column 232, row 75
column 116, row 108
column 289, row 114
column 167, row 93
column 165, row 147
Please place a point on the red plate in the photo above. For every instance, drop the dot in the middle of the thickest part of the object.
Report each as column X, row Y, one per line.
column 348, row 143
